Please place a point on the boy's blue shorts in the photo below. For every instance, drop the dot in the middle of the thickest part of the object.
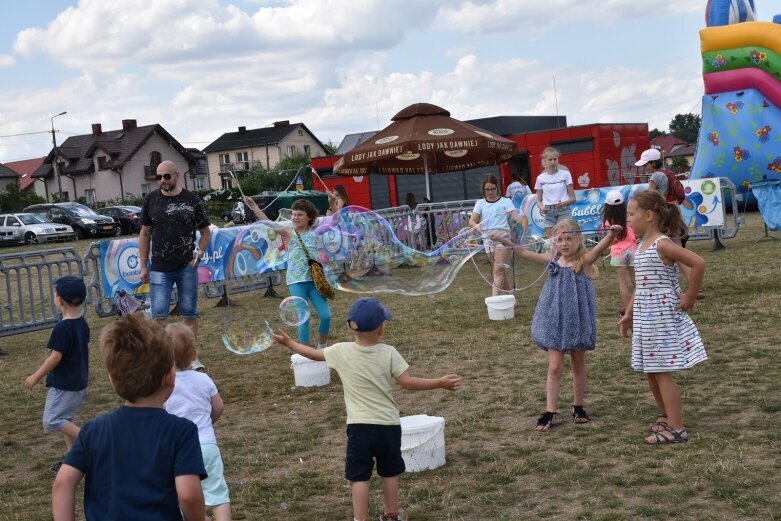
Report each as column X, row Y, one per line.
column 367, row 442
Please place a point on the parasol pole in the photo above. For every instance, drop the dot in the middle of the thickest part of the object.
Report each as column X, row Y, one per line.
column 425, row 172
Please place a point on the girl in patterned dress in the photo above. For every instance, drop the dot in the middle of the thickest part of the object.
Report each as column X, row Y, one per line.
column 565, row 318
column 622, row 252
column 664, row 338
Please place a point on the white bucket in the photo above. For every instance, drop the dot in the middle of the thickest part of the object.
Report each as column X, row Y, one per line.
column 309, row 373
column 422, row 442
column 500, row 307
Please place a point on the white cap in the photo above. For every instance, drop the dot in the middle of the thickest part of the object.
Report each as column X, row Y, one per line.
column 649, row 155
column 614, row 197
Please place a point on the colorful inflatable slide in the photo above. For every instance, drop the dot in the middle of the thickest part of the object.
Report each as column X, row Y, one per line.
column 740, row 137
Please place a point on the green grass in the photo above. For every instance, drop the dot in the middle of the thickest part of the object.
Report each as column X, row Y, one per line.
column 283, row 446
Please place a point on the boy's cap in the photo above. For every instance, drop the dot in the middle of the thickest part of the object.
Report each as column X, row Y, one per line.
column 614, row 197
column 71, row 289
column 649, row 155
column 367, row 314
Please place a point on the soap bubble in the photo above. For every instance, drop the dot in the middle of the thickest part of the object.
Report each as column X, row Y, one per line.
column 361, row 253
column 244, row 335
column 294, row 311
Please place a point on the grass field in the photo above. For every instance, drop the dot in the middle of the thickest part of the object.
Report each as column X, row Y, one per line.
column 283, row 446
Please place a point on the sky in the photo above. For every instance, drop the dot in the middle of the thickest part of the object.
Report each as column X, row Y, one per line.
column 204, row 67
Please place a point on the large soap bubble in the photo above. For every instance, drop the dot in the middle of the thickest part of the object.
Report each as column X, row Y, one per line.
column 361, row 253
column 294, row 311
column 245, row 334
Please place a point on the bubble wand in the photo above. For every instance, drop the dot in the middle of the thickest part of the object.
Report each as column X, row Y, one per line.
column 238, row 185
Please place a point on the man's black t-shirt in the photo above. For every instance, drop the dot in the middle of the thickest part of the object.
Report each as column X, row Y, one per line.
column 173, row 220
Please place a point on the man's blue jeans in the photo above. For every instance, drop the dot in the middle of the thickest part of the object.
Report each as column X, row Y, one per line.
column 161, row 284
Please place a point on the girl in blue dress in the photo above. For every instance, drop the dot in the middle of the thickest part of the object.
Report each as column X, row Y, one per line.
column 565, row 318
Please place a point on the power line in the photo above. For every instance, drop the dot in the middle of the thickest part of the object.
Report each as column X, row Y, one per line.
column 26, row 134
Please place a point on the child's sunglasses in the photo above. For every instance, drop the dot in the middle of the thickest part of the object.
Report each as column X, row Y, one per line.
column 164, row 176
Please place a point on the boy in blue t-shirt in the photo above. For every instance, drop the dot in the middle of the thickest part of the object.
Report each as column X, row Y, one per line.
column 139, row 461
column 67, row 366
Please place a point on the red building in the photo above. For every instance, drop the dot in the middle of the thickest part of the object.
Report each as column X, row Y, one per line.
column 596, row 155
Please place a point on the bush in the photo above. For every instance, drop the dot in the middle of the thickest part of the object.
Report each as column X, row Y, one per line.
column 14, row 200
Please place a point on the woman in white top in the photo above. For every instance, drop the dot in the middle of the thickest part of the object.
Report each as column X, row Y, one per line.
column 491, row 215
column 554, row 190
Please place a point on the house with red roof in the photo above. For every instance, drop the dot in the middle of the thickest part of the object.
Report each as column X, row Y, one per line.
column 110, row 165
column 24, row 170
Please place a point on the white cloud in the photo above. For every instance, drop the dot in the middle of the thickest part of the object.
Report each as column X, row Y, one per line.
column 487, row 16
column 6, row 60
column 97, row 33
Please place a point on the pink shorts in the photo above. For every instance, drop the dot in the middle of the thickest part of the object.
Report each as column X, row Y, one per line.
column 491, row 245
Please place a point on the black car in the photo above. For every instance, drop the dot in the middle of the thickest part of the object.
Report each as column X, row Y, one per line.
column 128, row 217
column 84, row 221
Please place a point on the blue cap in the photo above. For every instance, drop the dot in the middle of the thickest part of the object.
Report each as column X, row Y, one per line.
column 71, row 289
column 367, row 314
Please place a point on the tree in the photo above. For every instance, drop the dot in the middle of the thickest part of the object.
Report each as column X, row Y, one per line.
column 686, row 127
column 14, row 200
column 656, row 133
column 679, row 165
column 330, row 147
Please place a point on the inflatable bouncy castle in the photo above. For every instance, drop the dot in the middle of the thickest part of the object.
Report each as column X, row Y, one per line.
column 740, row 136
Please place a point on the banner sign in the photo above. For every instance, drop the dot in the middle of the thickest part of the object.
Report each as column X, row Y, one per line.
column 703, row 206
column 232, row 252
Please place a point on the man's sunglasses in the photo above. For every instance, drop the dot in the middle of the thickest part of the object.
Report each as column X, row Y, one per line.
column 164, row 176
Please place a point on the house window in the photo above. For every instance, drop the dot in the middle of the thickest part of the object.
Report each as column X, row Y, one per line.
column 300, row 132
column 102, row 160
column 226, row 182
column 144, row 189
column 225, row 159
column 243, row 159
column 89, row 194
column 199, row 183
column 307, row 151
column 291, row 150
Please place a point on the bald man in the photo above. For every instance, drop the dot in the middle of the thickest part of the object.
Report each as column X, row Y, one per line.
column 169, row 219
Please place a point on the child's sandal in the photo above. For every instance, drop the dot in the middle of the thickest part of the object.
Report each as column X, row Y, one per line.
column 662, row 437
column 579, row 414
column 660, row 424
column 545, row 422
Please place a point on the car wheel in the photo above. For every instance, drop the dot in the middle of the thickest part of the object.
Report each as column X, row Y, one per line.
column 30, row 238
column 79, row 234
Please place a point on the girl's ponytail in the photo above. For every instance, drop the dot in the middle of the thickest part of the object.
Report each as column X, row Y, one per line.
column 670, row 221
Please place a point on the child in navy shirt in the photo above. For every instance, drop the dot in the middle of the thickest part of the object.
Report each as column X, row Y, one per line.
column 67, row 367
column 139, row 461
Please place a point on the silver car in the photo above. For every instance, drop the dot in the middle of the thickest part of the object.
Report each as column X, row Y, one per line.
column 10, row 235
column 37, row 229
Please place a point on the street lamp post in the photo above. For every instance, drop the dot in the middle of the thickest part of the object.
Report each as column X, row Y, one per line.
column 56, row 164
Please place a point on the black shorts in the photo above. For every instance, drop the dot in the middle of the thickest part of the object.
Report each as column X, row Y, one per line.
column 365, row 443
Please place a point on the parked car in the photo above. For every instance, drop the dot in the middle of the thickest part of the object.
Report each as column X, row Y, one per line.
column 37, row 229
column 128, row 217
column 84, row 221
column 10, row 235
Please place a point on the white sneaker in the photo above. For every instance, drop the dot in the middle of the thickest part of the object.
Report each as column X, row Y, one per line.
column 197, row 365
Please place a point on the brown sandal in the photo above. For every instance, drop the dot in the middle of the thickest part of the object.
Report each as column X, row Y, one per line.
column 660, row 424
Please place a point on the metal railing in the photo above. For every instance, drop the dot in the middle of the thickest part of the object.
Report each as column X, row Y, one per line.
column 27, row 288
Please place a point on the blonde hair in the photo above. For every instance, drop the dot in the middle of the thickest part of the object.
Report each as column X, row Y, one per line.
column 183, row 343
column 551, row 150
column 571, row 226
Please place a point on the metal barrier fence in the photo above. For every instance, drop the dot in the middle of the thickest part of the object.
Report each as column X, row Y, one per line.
column 26, row 279
column 26, row 288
